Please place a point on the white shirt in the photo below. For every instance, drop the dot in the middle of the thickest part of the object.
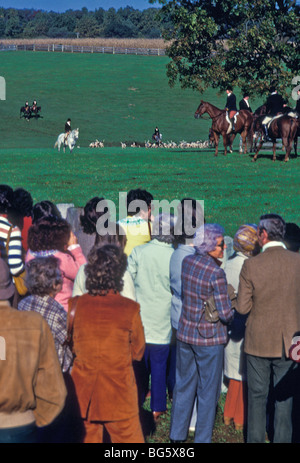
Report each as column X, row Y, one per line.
column 271, row 244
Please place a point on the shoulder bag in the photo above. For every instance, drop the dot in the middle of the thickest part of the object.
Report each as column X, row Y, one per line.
column 19, row 280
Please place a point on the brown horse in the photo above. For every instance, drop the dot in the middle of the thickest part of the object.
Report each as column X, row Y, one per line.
column 282, row 127
column 220, row 125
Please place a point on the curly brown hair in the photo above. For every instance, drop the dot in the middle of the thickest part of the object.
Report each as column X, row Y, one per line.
column 105, row 269
column 51, row 233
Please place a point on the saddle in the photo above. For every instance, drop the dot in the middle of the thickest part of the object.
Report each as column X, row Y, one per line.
column 269, row 119
column 229, row 121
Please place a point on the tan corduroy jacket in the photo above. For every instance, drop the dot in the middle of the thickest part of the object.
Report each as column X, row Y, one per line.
column 108, row 335
column 269, row 290
column 32, row 387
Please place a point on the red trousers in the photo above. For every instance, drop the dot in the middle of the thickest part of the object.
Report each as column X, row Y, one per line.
column 236, row 402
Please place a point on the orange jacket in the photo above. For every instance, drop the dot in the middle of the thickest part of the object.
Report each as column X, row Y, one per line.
column 107, row 336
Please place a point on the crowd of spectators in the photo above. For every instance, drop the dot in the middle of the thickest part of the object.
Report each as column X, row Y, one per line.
column 118, row 313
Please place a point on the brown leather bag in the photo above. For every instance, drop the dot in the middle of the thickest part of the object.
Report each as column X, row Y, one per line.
column 211, row 314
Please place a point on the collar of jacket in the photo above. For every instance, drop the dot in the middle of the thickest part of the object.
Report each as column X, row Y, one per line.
column 160, row 243
column 273, row 244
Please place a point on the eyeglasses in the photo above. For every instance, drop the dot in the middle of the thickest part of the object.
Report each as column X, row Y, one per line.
column 222, row 244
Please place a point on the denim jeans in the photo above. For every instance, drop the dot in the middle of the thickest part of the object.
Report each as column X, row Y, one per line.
column 198, row 374
column 19, row 435
column 259, row 372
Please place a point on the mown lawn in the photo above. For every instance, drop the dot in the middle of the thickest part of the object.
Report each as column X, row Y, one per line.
column 234, row 189
column 116, row 98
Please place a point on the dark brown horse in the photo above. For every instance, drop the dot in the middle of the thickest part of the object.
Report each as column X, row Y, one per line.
column 220, row 125
column 282, row 127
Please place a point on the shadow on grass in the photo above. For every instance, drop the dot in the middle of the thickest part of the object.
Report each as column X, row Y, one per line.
column 159, row 432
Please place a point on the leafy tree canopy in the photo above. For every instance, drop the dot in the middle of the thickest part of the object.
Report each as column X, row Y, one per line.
column 250, row 44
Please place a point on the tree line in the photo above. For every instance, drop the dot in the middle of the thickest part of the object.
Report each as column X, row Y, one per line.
column 122, row 23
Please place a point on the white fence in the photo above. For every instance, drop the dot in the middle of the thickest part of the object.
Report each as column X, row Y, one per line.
column 51, row 47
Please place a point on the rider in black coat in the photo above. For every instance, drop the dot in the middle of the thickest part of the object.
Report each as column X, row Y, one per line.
column 297, row 108
column 274, row 103
column 231, row 105
column 274, row 106
column 68, row 129
column 244, row 103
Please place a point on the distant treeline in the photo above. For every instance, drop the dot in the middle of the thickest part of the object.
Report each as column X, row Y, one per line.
column 122, row 23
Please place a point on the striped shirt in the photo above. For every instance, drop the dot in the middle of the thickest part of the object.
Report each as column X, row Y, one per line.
column 202, row 277
column 14, row 255
column 56, row 317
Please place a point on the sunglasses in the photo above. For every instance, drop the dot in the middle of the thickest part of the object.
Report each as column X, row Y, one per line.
column 222, row 244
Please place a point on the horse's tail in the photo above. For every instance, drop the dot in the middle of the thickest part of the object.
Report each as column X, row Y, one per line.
column 56, row 143
column 294, row 129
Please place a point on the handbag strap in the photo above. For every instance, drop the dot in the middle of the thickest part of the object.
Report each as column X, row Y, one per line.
column 8, row 239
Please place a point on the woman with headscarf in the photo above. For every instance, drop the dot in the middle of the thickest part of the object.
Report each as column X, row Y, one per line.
column 245, row 244
column 200, row 343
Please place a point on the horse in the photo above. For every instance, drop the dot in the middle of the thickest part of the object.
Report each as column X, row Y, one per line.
column 34, row 110
column 25, row 112
column 282, row 127
column 221, row 126
column 70, row 142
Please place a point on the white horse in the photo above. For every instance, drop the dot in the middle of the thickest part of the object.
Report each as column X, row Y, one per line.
column 70, row 142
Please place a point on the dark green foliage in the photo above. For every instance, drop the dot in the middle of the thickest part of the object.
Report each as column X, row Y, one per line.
column 250, row 44
column 122, row 23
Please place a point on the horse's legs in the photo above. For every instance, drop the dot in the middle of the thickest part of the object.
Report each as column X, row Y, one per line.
column 258, row 149
column 295, row 144
column 225, row 143
column 244, row 139
column 288, row 148
column 231, row 138
column 216, row 143
column 274, row 150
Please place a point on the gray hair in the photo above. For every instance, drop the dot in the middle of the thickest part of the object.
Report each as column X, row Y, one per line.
column 43, row 275
column 274, row 226
column 163, row 228
column 205, row 238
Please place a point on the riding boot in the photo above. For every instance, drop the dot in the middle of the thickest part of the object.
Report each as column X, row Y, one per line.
column 232, row 122
column 266, row 133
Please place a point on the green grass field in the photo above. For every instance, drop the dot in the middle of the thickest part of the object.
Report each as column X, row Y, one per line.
column 117, row 98
column 122, row 98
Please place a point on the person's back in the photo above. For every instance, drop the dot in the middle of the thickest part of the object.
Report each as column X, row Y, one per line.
column 31, row 382
column 137, row 225
column 149, row 266
column 274, row 104
column 275, row 313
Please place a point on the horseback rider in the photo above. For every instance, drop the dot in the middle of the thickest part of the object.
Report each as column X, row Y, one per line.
column 274, row 106
column 68, row 129
column 244, row 103
column 297, row 108
column 34, row 106
column 231, row 105
column 26, row 110
column 157, row 136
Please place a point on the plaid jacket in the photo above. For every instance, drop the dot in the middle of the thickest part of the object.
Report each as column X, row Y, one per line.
column 56, row 317
column 202, row 277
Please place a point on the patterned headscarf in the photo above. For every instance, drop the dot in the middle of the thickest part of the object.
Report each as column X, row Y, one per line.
column 245, row 239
